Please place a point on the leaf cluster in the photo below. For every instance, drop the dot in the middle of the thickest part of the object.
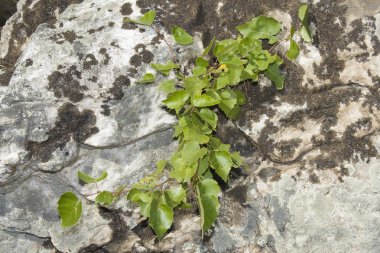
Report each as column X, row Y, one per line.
column 197, row 99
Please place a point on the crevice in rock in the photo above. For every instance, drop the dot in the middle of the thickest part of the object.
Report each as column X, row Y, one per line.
column 130, row 142
column 297, row 159
column 47, row 240
column 123, row 239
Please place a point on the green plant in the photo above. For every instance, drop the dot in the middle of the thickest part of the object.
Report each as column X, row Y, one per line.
column 197, row 100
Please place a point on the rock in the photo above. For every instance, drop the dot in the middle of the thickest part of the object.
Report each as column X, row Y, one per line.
column 69, row 101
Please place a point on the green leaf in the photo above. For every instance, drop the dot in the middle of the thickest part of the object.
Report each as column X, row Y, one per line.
column 194, row 85
column 181, row 36
column 176, row 100
column 207, row 195
column 203, row 166
column 293, row 51
column 249, row 46
column 263, row 59
column 146, row 19
column 261, row 27
column 241, row 99
column 225, row 50
column 221, row 162
column 201, row 62
column 208, row 48
column 167, row 86
column 191, row 152
column 141, row 198
column 303, row 16
column 160, row 167
column 273, row 73
column 199, row 71
column 222, row 81
column 88, row 179
column 175, row 196
column 250, row 72
column 209, row 117
column 192, row 131
column 302, row 12
column 69, row 209
column 164, row 68
column 104, row 198
column 305, row 34
column 182, row 172
column 147, row 78
column 204, row 101
column 237, row 159
column 161, row 218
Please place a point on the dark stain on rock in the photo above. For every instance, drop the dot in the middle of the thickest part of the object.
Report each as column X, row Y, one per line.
column 92, row 31
column 280, row 215
column 143, row 230
column 348, row 148
column 106, row 110
column 231, row 135
column 117, row 88
column 201, row 16
column 93, row 79
column 111, row 24
column 266, row 143
column 132, row 72
column 107, row 57
column 69, row 36
column 135, row 60
column 47, row 244
column 325, row 13
column 358, row 33
column 287, row 148
column 114, row 44
column 266, row 173
column 374, row 38
column 142, row 56
column 362, row 57
column 28, row 62
column 238, row 193
column 129, row 26
column 126, row 9
column 43, row 11
column 155, row 40
column 67, row 84
column 89, row 61
column 70, row 124
column 313, row 178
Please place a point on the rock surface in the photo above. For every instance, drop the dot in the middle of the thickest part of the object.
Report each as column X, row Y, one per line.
column 69, row 101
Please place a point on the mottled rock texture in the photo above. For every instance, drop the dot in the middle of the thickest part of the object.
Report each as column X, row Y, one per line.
column 69, row 101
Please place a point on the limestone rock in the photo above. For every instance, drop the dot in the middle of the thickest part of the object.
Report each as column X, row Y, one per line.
column 69, row 101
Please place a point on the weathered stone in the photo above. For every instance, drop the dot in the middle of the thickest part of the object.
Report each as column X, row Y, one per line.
column 69, row 101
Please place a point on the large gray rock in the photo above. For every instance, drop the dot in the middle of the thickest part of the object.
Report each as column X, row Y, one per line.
column 69, row 101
